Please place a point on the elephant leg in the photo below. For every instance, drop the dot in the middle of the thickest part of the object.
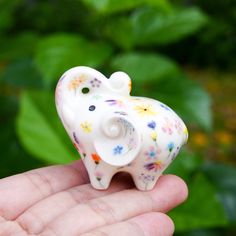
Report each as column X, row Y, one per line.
column 145, row 181
column 100, row 180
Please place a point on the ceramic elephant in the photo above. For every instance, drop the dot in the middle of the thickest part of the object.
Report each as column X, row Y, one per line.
column 116, row 132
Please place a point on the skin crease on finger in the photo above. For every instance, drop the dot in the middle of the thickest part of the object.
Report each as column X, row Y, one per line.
column 33, row 186
column 62, row 201
column 149, row 224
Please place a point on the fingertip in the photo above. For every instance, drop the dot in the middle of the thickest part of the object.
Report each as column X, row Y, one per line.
column 182, row 187
column 169, row 192
column 168, row 224
column 155, row 223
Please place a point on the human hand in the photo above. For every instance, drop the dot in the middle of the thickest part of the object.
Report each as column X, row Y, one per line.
column 59, row 201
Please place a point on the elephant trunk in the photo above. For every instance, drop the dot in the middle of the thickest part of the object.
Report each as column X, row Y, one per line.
column 120, row 140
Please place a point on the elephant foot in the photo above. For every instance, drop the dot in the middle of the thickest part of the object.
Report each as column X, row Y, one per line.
column 145, row 182
column 100, row 181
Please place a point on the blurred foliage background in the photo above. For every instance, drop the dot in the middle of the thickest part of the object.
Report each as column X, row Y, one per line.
column 181, row 52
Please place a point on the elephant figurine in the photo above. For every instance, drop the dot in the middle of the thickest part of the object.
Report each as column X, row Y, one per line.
column 115, row 132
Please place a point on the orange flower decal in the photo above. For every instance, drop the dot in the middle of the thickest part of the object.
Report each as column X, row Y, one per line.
column 96, row 158
column 76, row 82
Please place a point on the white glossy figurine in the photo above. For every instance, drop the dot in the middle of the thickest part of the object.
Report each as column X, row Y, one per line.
column 116, row 132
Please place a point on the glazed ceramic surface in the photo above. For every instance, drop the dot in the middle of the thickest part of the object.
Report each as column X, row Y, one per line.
column 116, row 132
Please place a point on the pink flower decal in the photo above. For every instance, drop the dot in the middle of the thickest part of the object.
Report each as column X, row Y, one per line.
column 98, row 175
column 152, row 153
column 146, row 179
column 178, row 126
column 167, row 127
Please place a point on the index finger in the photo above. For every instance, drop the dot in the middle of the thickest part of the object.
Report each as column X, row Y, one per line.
column 19, row 192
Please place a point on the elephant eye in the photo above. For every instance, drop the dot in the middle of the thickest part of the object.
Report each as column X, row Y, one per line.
column 85, row 90
column 92, row 108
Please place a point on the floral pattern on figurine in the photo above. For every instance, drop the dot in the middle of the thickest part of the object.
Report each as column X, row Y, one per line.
column 152, row 124
column 146, row 179
column 86, row 126
column 96, row 158
column 145, row 110
column 167, row 126
column 157, row 165
column 76, row 82
column 95, row 82
column 117, row 150
column 170, row 146
column 113, row 102
column 115, row 131
column 165, row 107
column 152, row 153
column 154, row 136
column 79, row 146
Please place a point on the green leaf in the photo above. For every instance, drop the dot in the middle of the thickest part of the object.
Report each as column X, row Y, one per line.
column 113, row 6
column 21, row 73
column 202, row 209
column 59, row 52
column 161, row 5
column 204, row 232
column 110, row 6
column 17, row 47
column 6, row 13
column 40, row 130
column 143, row 67
column 152, row 26
column 148, row 26
column 122, row 35
column 223, row 177
column 13, row 158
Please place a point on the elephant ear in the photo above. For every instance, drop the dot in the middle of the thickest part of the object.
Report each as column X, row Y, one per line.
column 76, row 84
column 120, row 141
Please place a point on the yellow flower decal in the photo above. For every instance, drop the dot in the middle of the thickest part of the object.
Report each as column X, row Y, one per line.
column 154, row 136
column 145, row 110
column 159, row 165
column 76, row 82
column 185, row 130
column 87, row 127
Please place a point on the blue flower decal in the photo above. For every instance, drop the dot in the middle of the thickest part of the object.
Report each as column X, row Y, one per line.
column 165, row 107
column 170, row 146
column 152, row 124
column 117, row 150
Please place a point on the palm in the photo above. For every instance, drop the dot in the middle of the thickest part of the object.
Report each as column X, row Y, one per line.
column 58, row 201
